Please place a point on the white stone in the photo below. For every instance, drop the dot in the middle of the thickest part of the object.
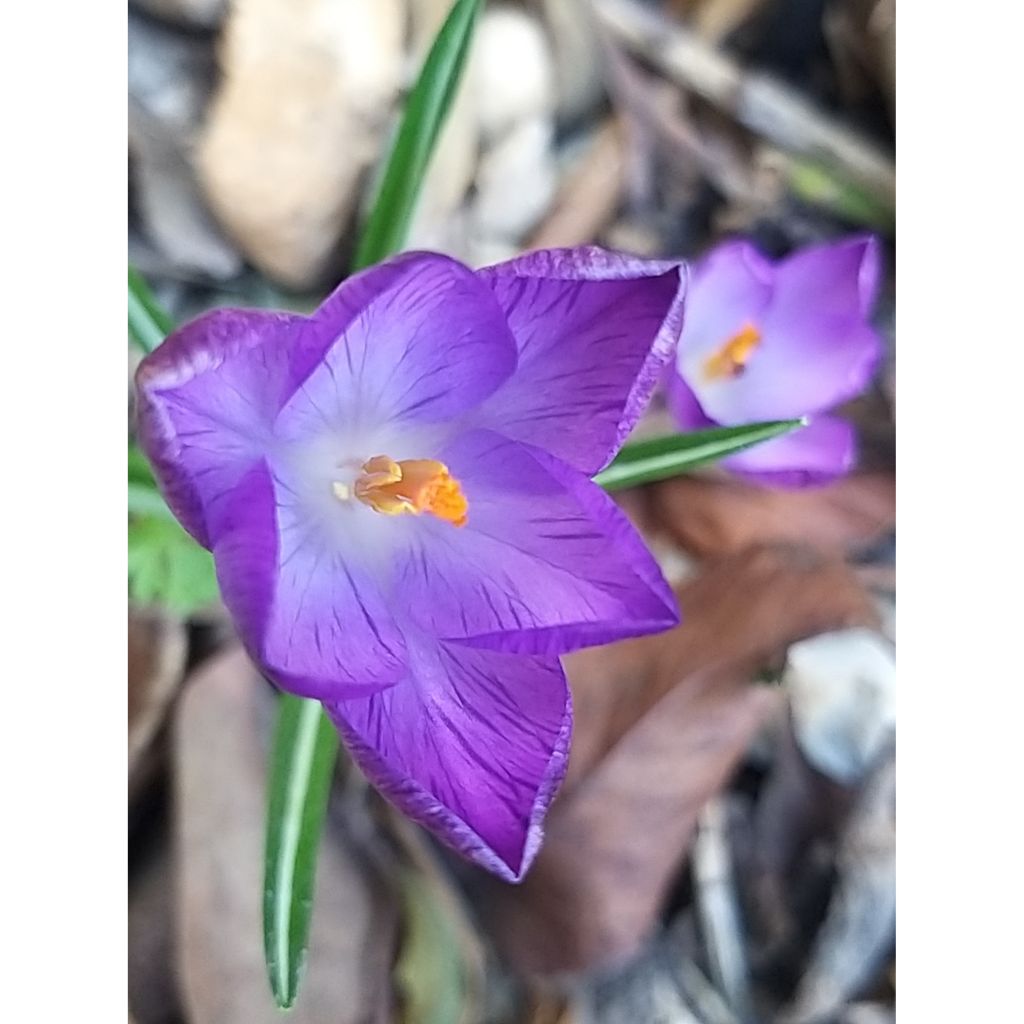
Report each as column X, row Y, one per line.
column 307, row 93
column 512, row 70
column 578, row 57
column 842, row 690
column 517, row 181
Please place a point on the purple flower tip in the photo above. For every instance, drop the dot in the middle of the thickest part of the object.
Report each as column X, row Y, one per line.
column 396, row 491
column 767, row 341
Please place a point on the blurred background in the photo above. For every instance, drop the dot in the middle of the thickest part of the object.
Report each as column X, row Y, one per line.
column 722, row 850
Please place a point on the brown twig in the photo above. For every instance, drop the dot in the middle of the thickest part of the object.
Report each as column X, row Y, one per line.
column 589, row 195
column 761, row 104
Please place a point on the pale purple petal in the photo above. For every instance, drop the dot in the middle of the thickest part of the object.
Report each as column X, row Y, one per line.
column 207, row 398
column 427, row 345
column 472, row 745
column 594, row 330
column 547, row 563
column 313, row 617
column 824, row 450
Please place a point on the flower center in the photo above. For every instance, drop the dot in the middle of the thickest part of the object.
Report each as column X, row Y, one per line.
column 411, row 486
column 731, row 359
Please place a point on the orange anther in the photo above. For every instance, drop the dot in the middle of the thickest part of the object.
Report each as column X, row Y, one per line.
column 731, row 359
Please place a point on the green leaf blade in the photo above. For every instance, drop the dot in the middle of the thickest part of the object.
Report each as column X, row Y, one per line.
column 165, row 565
column 425, row 112
column 148, row 323
column 302, row 761
column 659, row 458
column 429, row 970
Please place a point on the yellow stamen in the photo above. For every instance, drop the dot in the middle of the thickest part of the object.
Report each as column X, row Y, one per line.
column 732, row 358
column 411, row 486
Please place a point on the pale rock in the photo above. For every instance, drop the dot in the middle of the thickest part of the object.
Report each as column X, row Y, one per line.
column 516, row 181
column 307, row 94
column 511, row 69
column 578, row 58
column 485, row 251
column 675, row 564
column 197, row 13
column 170, row 203
column 170, row 75
column 842, row 690
column 169, row 82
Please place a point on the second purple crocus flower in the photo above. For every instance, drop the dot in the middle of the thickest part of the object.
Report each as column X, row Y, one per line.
column 396, row 491
column 766, row 341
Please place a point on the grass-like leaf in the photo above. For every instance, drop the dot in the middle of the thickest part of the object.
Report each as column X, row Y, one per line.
column 144, row 500
column 425, row 112
column 165, row 565
column 302, row 762
column 429, row 970
column 148, row 323
column 661, row 457
column 139, row 471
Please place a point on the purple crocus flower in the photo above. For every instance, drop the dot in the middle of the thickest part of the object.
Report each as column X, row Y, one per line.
column 767, row 341
column 396, row 491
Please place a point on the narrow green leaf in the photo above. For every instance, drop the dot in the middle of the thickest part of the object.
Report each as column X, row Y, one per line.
column 429, row 970
column 148, row 323
column 425, row 112
column 661, row 457
column 302, row 762
column 823, row 186
column 139, row 471
column 166, row 566
column 144, row 500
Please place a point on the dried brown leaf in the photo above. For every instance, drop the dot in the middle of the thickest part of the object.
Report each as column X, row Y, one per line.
column 221, row 741
column 661, row 723
column 715, row 20
column 157, row 648
column 589, row 194
column 709, row 516
column 152, row 988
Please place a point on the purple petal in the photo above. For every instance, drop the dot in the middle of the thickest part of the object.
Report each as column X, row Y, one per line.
column 419, row 339
column 546, row 563
column 817, row 349
column 472, row 745
column 816, row 454
column 311, row 614
column 594, row 329
column 207, row 399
